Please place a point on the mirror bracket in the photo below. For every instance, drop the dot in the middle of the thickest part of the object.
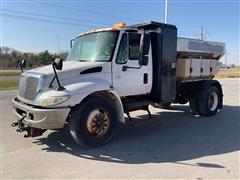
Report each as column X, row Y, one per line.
column 144, row 48
column 22, row 64
column 57, row 64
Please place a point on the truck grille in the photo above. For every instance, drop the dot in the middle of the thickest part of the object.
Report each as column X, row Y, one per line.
column 30, row 85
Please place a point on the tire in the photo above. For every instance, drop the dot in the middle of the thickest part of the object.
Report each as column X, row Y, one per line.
column 93, row 122
column 182, row 100
column 193, row 103
column 162, row 106
column 210, row 101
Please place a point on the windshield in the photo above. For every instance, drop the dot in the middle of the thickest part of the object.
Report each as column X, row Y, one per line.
column 97, row 46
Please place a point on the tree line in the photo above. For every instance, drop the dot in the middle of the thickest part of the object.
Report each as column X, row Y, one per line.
column 10, row 58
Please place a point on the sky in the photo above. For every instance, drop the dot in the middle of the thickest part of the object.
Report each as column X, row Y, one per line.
column 38, row 25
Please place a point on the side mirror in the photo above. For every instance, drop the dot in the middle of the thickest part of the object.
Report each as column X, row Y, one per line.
column 71, row 43
column 144, row 49
column 23, row 63
column 58, row 63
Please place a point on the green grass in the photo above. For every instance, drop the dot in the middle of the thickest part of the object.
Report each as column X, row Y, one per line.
column 235, row 73
column 10, row 73
column 9, row 84
column 13, row 84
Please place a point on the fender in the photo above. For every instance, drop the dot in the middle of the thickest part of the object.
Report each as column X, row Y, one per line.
column 78, row 91
column 119, row 105
column 191, row 88
column 81, row 90
column 116, row 100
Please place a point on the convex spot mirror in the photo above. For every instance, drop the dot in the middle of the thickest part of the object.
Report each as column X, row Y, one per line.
column 144, row 49
column 58, row 63
column 71, row 43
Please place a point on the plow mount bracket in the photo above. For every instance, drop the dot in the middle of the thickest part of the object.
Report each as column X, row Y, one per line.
column 30, row 131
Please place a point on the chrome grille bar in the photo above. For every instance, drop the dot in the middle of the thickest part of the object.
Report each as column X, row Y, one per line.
column 31, row 83
column 31, row 88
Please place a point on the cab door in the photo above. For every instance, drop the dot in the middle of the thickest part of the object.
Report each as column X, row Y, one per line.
column 128, row 77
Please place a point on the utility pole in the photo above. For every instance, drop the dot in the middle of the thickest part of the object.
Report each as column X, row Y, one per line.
column 202, row 34
column 166, row 11
column 226, row 56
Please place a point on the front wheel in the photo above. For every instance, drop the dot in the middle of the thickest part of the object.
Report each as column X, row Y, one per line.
column 93, row 122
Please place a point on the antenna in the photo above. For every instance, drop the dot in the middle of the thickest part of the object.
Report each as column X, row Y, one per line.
column 166, row 11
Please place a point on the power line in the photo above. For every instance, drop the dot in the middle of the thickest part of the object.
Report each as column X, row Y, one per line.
column 62, row 22
column 87, row 11
column 75, row 20
column 54, row 17
column 42, row 20
column 99, row 13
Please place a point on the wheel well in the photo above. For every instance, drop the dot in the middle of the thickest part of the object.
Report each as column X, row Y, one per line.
column 190, row 89
column 108, row 95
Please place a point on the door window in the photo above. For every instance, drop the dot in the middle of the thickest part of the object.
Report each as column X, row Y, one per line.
column 134, row 46
column 122, row 51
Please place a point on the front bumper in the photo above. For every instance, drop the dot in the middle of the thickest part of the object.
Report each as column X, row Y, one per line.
column 42, row 118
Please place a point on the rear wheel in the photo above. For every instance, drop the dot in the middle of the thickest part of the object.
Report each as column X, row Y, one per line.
column 193, row 103
column 93, row 123
column 182, row 100
column 210, row 101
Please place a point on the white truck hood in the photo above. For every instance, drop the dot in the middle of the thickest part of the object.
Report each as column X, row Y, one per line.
column 76, row 77
column 71, row 69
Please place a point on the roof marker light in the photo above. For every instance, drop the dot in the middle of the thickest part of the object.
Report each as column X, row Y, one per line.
column 119, row 25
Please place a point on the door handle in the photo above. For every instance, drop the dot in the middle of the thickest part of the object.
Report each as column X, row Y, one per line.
column 145, row 78
column 124, row 68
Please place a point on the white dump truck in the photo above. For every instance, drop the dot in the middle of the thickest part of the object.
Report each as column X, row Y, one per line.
column 111, row 72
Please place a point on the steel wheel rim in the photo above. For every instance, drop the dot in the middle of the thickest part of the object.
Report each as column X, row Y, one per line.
column 98, row 122
column 213, row 101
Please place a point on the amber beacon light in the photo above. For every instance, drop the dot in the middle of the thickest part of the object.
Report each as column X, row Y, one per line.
column 119, row 25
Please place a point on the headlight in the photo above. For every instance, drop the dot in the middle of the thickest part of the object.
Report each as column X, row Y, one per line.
column 49, row 101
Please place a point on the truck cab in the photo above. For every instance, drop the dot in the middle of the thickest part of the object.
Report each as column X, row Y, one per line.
column 109, row 72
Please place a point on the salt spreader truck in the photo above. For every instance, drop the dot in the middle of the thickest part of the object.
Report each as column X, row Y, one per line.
column 111, row 72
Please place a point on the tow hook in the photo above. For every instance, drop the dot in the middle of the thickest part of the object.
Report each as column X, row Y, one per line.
column 30, row 131
column 19, row 124
column 14, row 124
